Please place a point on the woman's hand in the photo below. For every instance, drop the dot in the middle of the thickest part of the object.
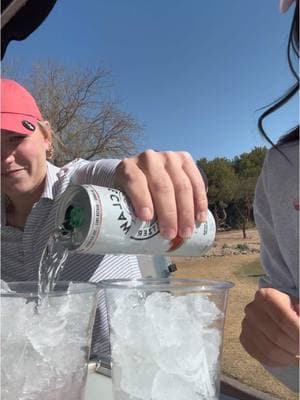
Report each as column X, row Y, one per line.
column 270, row 329
column 167, row 183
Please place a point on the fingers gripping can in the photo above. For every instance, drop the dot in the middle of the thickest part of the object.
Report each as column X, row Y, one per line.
column 100, row 220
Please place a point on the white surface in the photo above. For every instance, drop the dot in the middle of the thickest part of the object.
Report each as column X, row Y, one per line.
column 99, row 387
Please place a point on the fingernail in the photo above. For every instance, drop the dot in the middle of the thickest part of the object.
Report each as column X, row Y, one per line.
column 168, row 233
column 186, row 232
column 201, row 216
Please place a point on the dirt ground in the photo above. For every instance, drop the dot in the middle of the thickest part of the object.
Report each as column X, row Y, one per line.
column 232, row 243
column 241, row 267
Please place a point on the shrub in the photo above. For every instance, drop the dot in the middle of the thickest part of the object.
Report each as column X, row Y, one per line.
column 242, row 247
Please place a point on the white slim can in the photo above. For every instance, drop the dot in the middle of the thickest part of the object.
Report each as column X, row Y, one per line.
column 100, row 220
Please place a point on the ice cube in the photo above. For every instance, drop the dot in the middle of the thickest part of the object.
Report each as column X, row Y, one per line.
column 202, row 309
column 167, row 316
column 175, row 349
column 45, row 344
column 136, row 372
column 212, row 341
column 172, row 387
column 4, row 287
column 129, row 322
column 172, row 340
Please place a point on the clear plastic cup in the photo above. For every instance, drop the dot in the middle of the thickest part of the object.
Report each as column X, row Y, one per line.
column 45, row 349
column 166, row 337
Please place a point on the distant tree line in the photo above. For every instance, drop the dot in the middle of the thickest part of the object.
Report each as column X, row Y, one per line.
column 231, row 188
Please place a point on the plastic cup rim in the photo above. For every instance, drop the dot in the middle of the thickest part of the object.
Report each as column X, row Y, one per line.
column 160, row 284
column 86, row 287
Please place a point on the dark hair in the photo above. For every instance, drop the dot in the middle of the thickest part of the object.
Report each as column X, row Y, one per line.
column 292, row 50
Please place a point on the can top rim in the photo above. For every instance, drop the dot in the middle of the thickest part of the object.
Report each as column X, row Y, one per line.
column 161, row 284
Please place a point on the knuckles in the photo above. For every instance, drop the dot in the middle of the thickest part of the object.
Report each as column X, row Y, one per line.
column 161, row 186
column 127, row 170
column 183, row 186
column 150, row 159
column 166, row 157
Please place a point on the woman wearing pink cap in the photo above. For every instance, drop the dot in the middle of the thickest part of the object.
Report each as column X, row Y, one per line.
column 168, row 183
column 270, row 329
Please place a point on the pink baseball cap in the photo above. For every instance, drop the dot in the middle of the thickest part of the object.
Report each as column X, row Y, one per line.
column 19, row 111
column 285, row 5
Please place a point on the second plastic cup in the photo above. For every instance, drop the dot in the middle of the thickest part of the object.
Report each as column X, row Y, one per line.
column 166, row 337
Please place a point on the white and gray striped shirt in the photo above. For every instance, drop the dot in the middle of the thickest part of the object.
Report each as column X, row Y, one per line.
column 21, row 249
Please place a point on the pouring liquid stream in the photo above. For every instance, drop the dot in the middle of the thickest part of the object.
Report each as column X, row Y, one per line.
column 51, row 264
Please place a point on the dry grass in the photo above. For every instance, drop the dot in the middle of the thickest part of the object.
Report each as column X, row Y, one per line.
column 243, row 271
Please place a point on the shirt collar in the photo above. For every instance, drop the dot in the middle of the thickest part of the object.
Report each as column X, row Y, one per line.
column 51, row 179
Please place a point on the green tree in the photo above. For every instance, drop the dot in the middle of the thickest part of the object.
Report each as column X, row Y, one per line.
column 250, row 164
column 222, row 182
column 231, row 187
column 247, row 167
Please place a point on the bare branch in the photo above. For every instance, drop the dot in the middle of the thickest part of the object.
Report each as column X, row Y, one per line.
column 77, row 103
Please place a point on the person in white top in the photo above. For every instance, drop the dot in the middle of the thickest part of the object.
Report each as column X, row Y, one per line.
column 167, row 183
column 270, row 329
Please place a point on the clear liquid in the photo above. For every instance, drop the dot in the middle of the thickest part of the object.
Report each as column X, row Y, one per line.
column 51, row 264
column 45, row 342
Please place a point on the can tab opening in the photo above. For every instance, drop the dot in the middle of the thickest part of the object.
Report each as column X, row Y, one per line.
column 74, row 218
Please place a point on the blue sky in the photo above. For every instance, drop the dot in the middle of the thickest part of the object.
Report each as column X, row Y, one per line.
column 193, row 72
